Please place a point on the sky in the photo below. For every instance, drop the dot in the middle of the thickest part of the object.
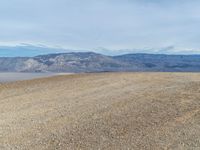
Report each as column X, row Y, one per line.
column 169, row 25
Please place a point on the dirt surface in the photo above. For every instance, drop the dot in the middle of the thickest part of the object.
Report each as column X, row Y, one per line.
column 102, row 111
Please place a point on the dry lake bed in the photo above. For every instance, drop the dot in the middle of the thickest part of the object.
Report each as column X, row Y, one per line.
column 12, row 76
column 151, row 111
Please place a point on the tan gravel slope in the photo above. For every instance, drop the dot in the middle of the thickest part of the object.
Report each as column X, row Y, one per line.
column 102, row 111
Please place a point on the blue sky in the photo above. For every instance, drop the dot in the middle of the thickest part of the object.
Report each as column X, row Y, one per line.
column 111, row 24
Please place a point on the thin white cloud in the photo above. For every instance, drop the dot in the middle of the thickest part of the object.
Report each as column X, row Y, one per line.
column 90, row 24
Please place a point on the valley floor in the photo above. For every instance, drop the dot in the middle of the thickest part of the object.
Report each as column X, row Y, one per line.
column 13, row 76
column 102, row 111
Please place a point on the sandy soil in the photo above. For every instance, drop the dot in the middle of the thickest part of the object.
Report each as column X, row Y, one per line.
column 102, row 111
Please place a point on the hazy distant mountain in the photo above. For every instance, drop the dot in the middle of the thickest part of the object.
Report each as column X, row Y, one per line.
column 160, row 62
column 28, row 50
column 93, row 62
column 65, row 62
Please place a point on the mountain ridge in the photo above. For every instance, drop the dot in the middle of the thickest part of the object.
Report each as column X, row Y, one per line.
column 78, row 62
column 31, row 50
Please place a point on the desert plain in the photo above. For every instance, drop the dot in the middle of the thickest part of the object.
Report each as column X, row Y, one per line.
column 150, row 111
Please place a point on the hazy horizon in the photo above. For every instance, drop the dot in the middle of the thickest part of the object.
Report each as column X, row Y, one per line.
column 28, row 50
column 14, row 76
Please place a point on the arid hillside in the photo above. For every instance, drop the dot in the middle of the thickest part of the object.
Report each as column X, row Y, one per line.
column 102, row 111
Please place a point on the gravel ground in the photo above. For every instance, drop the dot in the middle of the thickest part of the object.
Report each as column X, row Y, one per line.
column 102, row 111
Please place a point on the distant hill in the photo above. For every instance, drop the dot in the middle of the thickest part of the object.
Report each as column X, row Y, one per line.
column 93, row 62
column 160, row 62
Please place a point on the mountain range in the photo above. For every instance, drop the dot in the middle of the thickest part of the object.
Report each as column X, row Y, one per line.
column 30, row 50
column 77, row 62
